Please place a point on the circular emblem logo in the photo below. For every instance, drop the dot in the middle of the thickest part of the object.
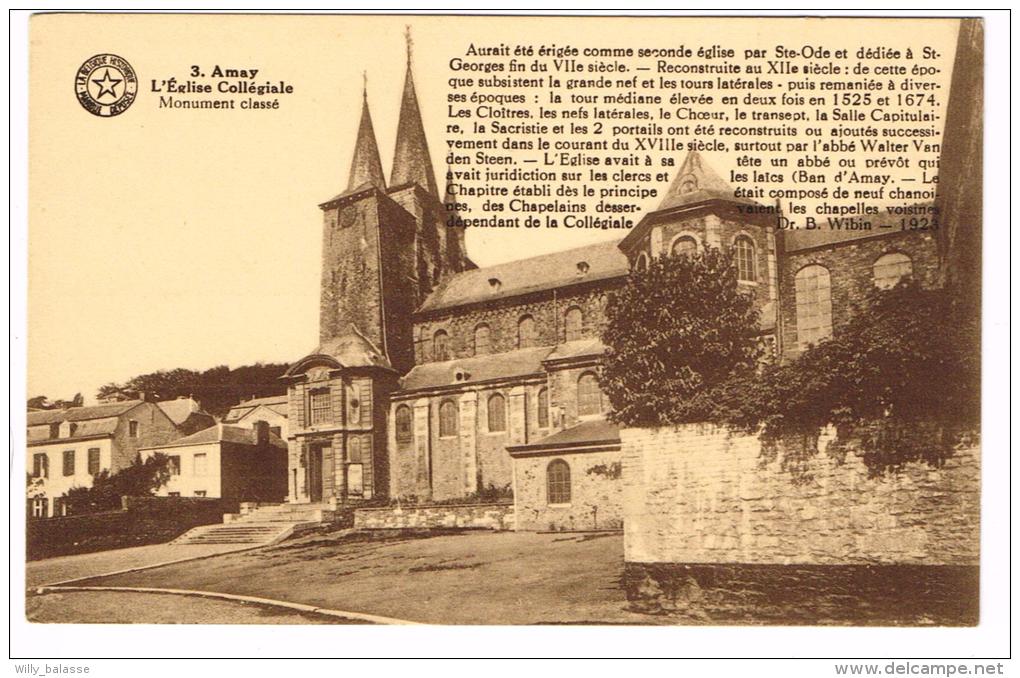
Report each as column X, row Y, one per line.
column 106, row 85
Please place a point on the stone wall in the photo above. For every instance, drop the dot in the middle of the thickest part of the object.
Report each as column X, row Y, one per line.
column 851, row 274
column 596, row 493
column 697, row 494
column 467, row 516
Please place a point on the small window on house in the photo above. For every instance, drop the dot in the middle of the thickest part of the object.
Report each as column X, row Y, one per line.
column 200, row 493
column 40, row 507
column 743, row 255
column 68, row 462
column 173, row 494
column 276, row 431
column 54, row 430
column 72, row 428
column 526, row 332
column 447, row 419
column 40, row 465
column 814, row 304
column 320, row 407
column 543, row 408
column 94, row 461
column 583, row 268
column 497, row 413
column 573, row 324
column 641, row 265
column 133, row 429
column 891, row 268
column 482, row 339
column 684, row 246
column 440, row 346
column 403, row 422
column 201, row 464
column 558, row 482
column 173, row 464
column 589, row 395
column 495, row 285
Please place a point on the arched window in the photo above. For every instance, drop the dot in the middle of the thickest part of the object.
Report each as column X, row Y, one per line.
column 743, row 256
column 641, row 265
column 543, row 408
column 558, row 482
column 481, row 339
column 684, row 246
column 447, row 419
column 403, row 422
column 814, row 304
column 354, row 450
column 526, row 332
column 573, row 325
column 589, row 395
column 497, row 413
column 440, row 345
column 891, row 268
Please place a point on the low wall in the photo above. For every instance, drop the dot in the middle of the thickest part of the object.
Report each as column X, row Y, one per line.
column 141, row 521
column 498, row 516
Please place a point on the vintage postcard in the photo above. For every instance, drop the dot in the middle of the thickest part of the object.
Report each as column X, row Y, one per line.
column 504, row 320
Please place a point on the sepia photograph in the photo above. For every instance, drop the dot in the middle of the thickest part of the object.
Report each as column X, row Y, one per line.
column 504, row 321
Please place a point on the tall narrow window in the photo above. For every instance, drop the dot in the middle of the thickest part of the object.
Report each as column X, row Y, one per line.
column 543, row 408
column 94, row 462
column 354, row 450
column 447, row 419
column 40, row 465
column 497, row 413
column 133, row 428
column 814, row 304
column 684, row 246
column 201, row 464
column 482, row 339
column 68, row 462
column 403, row 422
column 891, row 268
column 173, row 464
column 589, row 395
column 558, row 482
column 743, row 255
column 573, row 324
column 440, row 346
column 641, row 265
column 320, row 409
column 526, row 332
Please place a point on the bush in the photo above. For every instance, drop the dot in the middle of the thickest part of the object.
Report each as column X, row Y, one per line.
column 140, row 479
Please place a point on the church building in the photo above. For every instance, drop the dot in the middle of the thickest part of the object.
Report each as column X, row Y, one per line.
column 434, row 379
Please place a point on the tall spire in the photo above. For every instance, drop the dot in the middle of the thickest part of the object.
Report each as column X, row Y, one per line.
column 366, row 168
column 411, row 160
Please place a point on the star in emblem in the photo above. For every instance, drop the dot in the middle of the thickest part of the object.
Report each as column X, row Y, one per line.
column 106, row 84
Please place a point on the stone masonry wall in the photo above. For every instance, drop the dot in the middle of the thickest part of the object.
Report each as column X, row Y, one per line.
column 596, row 493
column 696, row 494
column 477, row 516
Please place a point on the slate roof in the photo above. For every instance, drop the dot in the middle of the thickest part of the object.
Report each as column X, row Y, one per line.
column 696, row 182
column 350, row 350
column 89, row 428
column 517, row 363
column 584, row 434
column 179, row 410
column 412, row 163
column 546, row 271
column 277, row 404
column 366, row 167
column 579, row 348
column 221, row 433
column 82, row 413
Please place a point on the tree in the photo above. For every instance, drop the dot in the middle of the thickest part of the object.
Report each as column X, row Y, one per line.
column 140, row 479
column 217, row 388
column 676, row 330
column 41, row 402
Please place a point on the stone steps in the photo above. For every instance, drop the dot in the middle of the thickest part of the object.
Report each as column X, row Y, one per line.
column 255, row 534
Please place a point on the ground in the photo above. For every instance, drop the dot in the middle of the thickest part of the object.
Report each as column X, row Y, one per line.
column 438, row 578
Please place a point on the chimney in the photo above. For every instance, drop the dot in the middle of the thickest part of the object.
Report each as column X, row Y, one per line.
column 261, row 429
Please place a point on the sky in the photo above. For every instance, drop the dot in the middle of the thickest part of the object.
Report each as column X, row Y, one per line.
column 162, row 239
